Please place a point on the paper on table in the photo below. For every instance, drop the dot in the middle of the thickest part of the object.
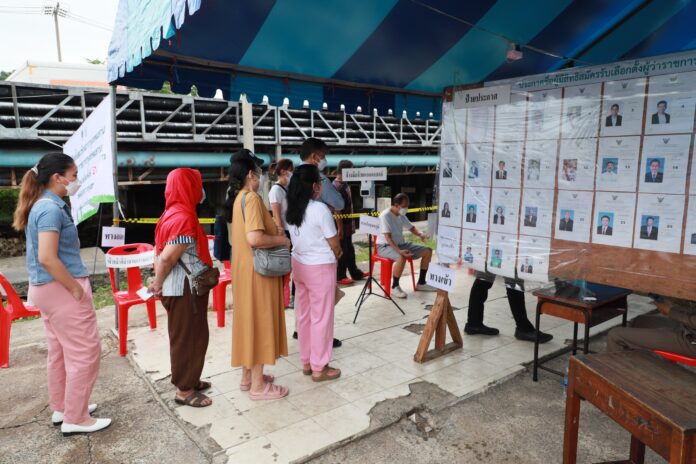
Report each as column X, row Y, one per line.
column 505, row 205
column 507, row 157
column 671, row 101
column 617, row 163
column 540, row 164
column 544, row 115
column 627, row 98
column 659, row 222
column 576, row 166
column 450, row 205
column 479, row 159
column 476, row 205
column 452, row 164
column 613, row 218
column 663, row 164
column 537, row 212
column 533, row 258
column 581, row 108
column 474, row 245
column 501, row 254
column 573, row 216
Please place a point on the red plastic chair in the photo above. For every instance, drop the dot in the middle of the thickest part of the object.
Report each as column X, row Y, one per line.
column 15, row 309
column 220, row 290
column 385, row 270
column 677, row 358
column 124, row 299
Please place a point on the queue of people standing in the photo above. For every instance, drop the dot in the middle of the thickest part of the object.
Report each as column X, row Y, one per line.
column 303, row 204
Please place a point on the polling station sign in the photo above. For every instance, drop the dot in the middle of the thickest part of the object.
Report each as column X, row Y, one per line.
column 90, row 147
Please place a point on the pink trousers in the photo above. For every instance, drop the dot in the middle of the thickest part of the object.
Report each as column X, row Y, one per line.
column 74, row 347
column 315, row 298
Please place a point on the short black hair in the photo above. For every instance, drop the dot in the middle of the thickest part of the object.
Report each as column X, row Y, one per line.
column 400, row 198
column 344, row 164
column 615, row 105
column 655, row 160
column 605, row 216
column 661, row 102
column 650, row 218
column 312, row 145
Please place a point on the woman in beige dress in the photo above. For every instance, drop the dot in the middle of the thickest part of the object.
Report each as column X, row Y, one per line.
column 258, row 321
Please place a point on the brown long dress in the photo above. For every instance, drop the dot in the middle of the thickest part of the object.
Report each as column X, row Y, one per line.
column 258, row 319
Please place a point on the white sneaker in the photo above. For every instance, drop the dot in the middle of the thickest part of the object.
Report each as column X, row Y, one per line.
column 57, row 417
column 397, row 292
column 72, row 429
column 425, row 288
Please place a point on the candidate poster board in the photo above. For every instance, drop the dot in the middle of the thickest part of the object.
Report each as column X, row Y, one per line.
column 596, row 172
column 90, row 147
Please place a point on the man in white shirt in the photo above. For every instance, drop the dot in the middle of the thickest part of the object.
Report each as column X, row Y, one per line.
column 391, row 244
column 609, row 174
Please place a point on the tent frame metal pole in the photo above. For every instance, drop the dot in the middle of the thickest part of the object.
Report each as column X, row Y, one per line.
column 114, row 151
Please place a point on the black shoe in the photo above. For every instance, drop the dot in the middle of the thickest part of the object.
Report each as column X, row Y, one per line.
column 294, row 335
column 530, row 336
column 337, row 343
column 480, row 330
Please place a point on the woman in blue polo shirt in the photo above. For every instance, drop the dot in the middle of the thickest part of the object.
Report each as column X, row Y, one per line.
column 59, row 285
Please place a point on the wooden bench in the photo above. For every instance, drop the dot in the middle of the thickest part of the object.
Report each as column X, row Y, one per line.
column 653, row 399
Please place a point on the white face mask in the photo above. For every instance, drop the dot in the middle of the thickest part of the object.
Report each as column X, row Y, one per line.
column 322, row 164
column 202, row 198
column 403, row 211
column 73, row 187
column 289, row 176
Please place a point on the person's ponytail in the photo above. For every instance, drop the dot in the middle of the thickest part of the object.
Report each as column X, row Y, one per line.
column 34, row 184
column 300, row 192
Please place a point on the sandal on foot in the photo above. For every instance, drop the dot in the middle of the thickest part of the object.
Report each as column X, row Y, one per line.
column 195, row 400
column 327, row 374
column 247, row 386
column 307, row 370
column 271, row 392
column 203, row 385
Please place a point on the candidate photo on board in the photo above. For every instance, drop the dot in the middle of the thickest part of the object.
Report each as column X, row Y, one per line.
column 473, row 170
column 470, row 213
column 533, row 169
column 654, row 170
column 499, row 216
column 609, row 169
column 649, row 227
column 497, row 258
column 501, row 173
column 660, row 116
column 566, row 222
column 530, row 216
column 614, row 119
column 569, row 172
column 527, row 266
column 446, row 213
column 606, row 223
column 468, row 255
column 447, row 171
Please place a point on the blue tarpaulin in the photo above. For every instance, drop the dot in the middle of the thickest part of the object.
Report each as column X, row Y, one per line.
column 384, row 54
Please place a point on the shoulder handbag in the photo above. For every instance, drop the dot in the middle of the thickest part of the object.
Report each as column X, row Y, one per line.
column 269, row 262
column 204, row 281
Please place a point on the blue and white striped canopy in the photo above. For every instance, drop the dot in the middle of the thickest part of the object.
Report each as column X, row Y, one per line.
column 382, row 54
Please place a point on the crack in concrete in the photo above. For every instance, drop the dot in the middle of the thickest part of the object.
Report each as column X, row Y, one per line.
column 34, row 420
column 89, row 449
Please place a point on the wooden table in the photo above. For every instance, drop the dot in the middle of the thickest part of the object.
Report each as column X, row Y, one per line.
column 610, row 302
column 653, row 399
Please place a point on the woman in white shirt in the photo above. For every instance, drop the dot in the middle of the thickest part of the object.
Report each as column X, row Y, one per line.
column 277, row 197
column 316, row 249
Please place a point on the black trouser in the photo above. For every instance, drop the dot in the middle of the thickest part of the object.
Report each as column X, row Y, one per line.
column 346, row 263
column 479, row 295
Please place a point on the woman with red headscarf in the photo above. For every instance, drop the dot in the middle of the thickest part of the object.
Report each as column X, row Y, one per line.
column 180, row 239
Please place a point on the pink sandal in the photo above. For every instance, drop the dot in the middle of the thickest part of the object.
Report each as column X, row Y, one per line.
column 271, row 392
column 247, row 386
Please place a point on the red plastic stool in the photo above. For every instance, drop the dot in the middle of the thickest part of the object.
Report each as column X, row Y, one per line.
column 385, row 270
column 677, row 358
column 124, row 299
column 15, row 309
column 220, row 293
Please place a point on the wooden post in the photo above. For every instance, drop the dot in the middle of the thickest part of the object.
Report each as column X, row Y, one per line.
column 441, row 317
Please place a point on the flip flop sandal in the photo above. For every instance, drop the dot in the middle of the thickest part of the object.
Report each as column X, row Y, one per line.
column 195, row 400
column 247, row 386
column 271, row 392
column 325, row 375
column 203, row 385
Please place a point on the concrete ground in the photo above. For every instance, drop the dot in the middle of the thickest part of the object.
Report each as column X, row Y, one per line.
column 519, row 421
column 142, row 432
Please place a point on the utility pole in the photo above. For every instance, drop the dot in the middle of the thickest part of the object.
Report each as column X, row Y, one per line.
column 56, row 11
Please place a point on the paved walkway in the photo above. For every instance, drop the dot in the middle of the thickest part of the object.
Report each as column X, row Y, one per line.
column 377, row 364
column 15, row 269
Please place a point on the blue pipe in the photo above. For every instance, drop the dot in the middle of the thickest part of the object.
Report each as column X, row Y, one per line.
column 140, row 159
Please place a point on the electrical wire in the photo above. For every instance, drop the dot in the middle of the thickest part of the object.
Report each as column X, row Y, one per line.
column 500, row 36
